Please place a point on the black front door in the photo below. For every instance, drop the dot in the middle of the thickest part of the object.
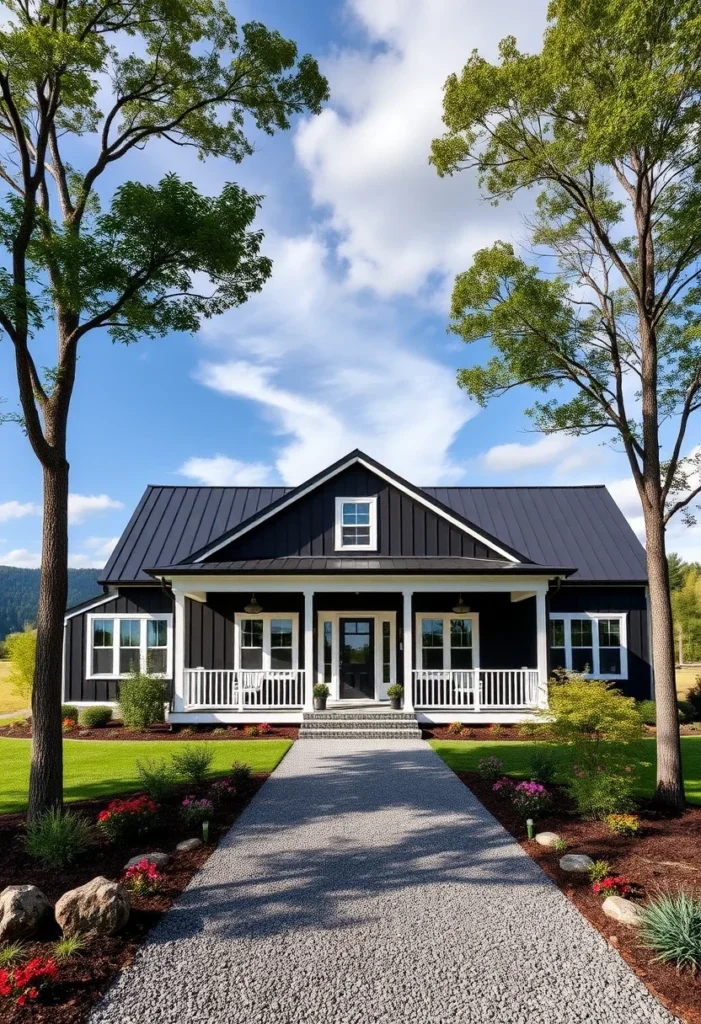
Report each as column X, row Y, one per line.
column 357, row 661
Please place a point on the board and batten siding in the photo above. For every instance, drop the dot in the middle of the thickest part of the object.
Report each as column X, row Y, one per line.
column 615, row 599
column 209, row 628
column 129, row 600
column 307, row 527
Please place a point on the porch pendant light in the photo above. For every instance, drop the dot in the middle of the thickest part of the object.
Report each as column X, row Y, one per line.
column 461, row 608
column 253, row 608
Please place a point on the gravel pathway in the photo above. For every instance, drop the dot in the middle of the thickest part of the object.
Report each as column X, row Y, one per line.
column 365, row 883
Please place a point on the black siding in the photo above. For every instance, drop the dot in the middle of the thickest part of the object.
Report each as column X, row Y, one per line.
column 129, row 599
column 404, row 526
column 209, row 628
column 616, row 599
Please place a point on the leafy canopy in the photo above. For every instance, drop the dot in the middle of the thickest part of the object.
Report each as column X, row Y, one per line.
column 601, row 315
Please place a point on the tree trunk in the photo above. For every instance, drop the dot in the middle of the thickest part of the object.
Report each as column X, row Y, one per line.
column 46, row 775
column 670, row 787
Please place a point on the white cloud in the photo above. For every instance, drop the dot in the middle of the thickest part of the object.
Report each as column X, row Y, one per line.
column 222, row 471
column 506, row 457
column 102, row 547
column 21, row 558
column 82, row 506
column 17, row 510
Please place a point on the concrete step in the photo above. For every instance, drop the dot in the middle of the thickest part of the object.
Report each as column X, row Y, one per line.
column 359, row 716
column 360, row 723
column 342, row 733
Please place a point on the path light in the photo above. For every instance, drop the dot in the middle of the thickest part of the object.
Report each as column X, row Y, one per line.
column 529, row 827
column 253, row 608
column 461, row 608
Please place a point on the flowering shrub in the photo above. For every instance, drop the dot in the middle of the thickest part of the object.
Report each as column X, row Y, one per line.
column 531, row 799
column 455, row 728
column 613, row 885
column 252, row 730
column 504, row 785
column 23, row 984
column 265, row 728
column 144, row 878
column 490, row 768
column 68, row 724
column 222, row 791
column 126, row 819
column 196, row 810
column 623, row 824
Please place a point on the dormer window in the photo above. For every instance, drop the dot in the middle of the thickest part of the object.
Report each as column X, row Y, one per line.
column 356, row 524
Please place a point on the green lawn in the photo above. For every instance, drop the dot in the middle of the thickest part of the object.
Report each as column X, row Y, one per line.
column 463, row 755
column 103, row 768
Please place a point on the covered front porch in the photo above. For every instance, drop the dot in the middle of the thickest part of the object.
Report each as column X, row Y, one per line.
column 251, row 650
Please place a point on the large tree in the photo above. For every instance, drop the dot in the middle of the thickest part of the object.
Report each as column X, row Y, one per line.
column 599, row 311
column 85, row 85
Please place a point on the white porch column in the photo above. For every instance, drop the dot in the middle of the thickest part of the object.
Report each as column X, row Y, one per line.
column 542, row 648
column 408, row 642
column 309, row 679
column 178, row 650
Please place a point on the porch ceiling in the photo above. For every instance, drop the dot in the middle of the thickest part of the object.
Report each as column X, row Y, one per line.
column 414, row 566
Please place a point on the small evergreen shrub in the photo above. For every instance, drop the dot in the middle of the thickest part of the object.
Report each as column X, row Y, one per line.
column 142, row 700
column 69, row 711
column 57, row 837
column 647, row 709
column 599, row 870
column 96, row 717
column 687, row 711
column 193, row 762
column 157, row 778
column 693, row 697
column 543, row 764
column 671, row 928
column 320, row 690
column 252, row 730
column 241, row 775
column 455, row 728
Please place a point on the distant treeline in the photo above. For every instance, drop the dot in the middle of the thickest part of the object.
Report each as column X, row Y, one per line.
column 19, row 594
column 685, row 584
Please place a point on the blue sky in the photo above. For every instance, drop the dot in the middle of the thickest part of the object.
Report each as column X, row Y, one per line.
column 347, row 344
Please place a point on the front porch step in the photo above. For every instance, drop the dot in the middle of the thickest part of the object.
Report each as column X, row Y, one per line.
column 359, row 716
column 344, row 733
column 381, row 724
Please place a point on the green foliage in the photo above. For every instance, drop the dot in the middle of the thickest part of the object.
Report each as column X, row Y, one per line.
column 647, row 709
column 57, row 837
column 671, row 928
column 19, row 595
column 560, row 846
column 676, row 569
column 320, row 690
column 68, row 711
column 395, row 690
column 490, row 768
column 242, row 776
column 623, row 824
column 686, row 609
column 96, row 717
column 67, row 947
column 693, row 698
column 687, row 711
column 157, row 778
column 599, row 870
column 455, row 728
column 21, row 650
column 193, row 762
column 13, row 953
column 142, row 700
column 543, row 763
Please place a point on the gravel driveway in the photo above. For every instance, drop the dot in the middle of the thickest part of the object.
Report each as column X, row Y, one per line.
column 365, row 883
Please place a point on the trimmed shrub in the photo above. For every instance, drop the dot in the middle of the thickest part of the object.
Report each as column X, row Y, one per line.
column 158, row 778
column 671, row 928
column 647, row 709
column 241, row 775
column 193, row 762
column 57, row 837
column 687, row 712
column 142, row 700
column 68, row 711
column 96, row 717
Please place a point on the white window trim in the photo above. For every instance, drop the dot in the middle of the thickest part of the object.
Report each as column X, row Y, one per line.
column 267, row 618
column 372, row 502
column 378, row 619
column 143, row 618
column 446, row 618
column 621, row 618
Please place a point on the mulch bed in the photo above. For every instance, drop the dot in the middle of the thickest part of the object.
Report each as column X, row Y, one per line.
column 161, row 732
column 488, row 733
column 666, row 855
column 87, row 975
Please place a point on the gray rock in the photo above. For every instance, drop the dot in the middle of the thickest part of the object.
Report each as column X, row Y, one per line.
column 547, row 838
column 622, row 910
column 99, row 907
column 159, row 859
column 187, row 845
column 576, row 862
column 23, row 909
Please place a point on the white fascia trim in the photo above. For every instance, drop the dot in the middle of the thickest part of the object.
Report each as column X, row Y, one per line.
column 95, row 604
column 384, row 476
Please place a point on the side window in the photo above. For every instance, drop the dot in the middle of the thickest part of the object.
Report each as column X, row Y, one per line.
column 432, row 643
column 102, row 646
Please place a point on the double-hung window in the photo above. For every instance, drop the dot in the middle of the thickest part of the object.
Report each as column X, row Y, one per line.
column 266, row 642
column 356, row 524
column 592, row 643
column 448, row 642
column 119, row 645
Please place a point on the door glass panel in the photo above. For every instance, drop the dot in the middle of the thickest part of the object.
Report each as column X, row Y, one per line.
column 281, row 643
column 461, row 643
column 356, row 643
column 129, row 646
column 328, row 651
column 252, row 644
column 386, row 653
column 432, row 643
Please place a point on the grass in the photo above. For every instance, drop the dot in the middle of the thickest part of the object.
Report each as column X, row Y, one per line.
column 463, row 755
column 686, row 677
column 103, row 768
column 9, row 701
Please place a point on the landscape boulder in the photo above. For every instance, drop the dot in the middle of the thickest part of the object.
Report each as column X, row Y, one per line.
column 159, row 860
column 576, row 862
column 187, row 845
column 622, row 910
column 23, row 909
column 547, row 838
column 99, row 907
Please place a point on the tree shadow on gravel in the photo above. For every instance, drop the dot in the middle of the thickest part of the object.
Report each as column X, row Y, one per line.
column 313, row 848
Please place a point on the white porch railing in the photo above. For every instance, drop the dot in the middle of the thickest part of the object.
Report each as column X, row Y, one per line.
column 477, row 689
column 242, row 689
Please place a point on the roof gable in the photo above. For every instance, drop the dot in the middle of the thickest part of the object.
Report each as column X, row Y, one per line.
column 301, row 522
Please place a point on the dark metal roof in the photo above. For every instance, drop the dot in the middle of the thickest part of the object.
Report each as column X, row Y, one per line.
column 315, row 564
column 552, row 526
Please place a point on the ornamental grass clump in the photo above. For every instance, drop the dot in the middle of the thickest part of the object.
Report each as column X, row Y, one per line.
column 196, row 810
column 57, row 837
column 490, row 768
column 25, row 984
column 144, row 878
column 671, row 928
column 193, row 762
column 128, row 819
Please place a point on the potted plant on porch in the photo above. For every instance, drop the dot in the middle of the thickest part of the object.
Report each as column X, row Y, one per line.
column 395, row 694
column 321, row 692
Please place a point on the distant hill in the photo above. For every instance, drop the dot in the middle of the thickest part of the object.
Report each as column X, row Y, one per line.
column 19, row 594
